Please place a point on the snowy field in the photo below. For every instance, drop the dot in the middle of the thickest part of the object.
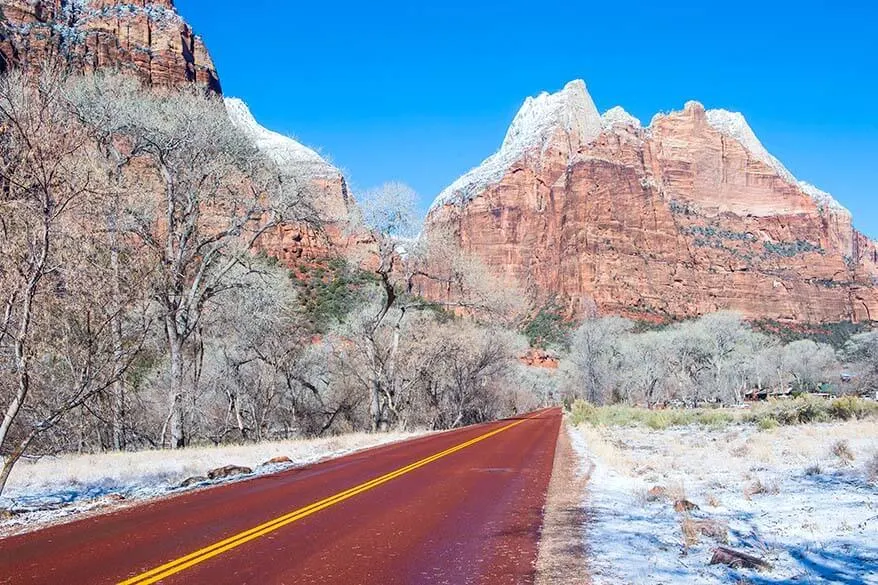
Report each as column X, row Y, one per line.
column 51, row 489
column 803, row 498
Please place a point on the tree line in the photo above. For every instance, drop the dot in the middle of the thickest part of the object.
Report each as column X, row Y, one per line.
column 716, row 359
column 137, row 312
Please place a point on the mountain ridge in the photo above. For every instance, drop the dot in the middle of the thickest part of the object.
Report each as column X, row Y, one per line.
column 686, row 216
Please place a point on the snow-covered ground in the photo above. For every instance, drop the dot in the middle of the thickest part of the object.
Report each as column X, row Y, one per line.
column 51, row 489
column 790, row 496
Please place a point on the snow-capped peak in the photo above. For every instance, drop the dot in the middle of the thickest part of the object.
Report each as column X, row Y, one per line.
column 617, row 116
column 734, row 125
column 570, row 110
column 290, row 155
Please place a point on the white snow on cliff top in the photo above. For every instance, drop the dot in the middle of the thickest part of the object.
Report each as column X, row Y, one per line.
column 618, row 117
column 535, row 124
column 573, row 110
column 734, row 125
column 290, row 155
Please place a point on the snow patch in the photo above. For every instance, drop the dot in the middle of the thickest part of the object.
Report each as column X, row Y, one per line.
column 617, row 116
column 287, row 153
column 734, row 125
column 815, row 525
column 539, row 119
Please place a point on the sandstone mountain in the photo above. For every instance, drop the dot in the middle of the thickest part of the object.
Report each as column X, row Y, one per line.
column 145, row 37
column 323, row 183
column 686, row 216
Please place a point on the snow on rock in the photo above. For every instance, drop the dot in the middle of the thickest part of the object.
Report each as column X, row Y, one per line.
column 734, row 125
column 537, row 122
column 290, row 155
column 821, row 197
column 618, row 117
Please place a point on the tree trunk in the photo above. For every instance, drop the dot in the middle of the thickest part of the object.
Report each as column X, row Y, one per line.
column 175, row 394
column 8, row 462
column 375, row 405
column 118, row 404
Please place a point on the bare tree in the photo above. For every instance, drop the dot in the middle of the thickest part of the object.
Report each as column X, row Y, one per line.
column 208, row 197
column 56, row 344
column 594, row 354
column 862, row 353
column 646, row 375
column 463, row 379
column 808, row 364
column 102, row 103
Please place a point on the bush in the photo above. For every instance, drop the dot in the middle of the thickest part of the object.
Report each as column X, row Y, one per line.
column 716, row 418
column 548, row 327
column 581, row 412
column 850, row 407
column 768, row 415
column 810, row 409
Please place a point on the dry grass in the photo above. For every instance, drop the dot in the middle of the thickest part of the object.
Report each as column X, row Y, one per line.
column 694, row 529
column 766, row 415
column 173, row 466
column 842, row 450
column 740, row 477
column 760, row 487
column 606, row 449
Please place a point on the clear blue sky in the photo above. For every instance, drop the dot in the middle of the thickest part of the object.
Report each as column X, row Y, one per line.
column 422, row 91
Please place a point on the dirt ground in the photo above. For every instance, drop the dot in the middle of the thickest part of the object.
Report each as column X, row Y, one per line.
column 562, row 554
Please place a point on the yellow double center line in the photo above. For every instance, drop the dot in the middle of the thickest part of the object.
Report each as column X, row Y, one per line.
column 201, row 555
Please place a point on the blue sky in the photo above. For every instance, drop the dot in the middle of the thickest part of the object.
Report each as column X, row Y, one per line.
column 422, row 91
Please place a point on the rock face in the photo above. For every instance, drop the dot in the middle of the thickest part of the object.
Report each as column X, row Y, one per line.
column 146, row 37
column 322, row 183
column 687, row 216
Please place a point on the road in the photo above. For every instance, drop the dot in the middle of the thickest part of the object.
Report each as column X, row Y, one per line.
column 459, row 507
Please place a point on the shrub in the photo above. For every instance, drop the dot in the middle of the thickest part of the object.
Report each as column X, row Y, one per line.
column 872, row 468
column 548, row 327
column 761, row 487
column 810, row 409
column 842, row 450
column 766, row 416
column 849, row 407
column 716, row 418
column 581, row 412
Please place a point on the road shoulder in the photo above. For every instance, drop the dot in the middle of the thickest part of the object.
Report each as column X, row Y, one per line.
column 562, row 555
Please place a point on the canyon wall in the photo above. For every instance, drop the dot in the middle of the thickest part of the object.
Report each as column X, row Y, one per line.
column 145, row 37
column 687, row 216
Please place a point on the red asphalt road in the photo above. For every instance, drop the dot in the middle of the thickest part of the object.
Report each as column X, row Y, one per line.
column 470, row 517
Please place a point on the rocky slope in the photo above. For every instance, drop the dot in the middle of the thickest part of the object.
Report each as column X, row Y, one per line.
column 322, row 183
column 686, row 216
column 146, row 37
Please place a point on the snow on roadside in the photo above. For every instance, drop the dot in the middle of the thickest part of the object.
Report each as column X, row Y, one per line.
column 813, row 516
column 51, row 489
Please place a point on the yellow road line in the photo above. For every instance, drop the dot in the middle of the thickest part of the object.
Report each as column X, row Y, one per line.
column 201, row 555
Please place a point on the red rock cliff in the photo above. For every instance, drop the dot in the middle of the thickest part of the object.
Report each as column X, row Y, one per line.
column 323, row 185
column 146, row 37
column 688, row 216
